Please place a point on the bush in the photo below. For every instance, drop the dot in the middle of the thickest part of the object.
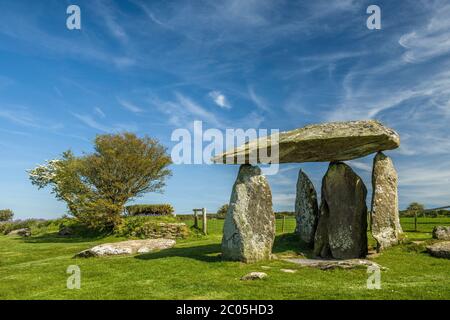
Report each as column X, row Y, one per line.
column 6, row 215
column 149, row 210
column 33, row 224
column 222, row 212
column 151, row 227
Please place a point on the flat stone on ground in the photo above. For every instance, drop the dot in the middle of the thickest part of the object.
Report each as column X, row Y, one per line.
column 288, row 270
column 328, row 264
column 254, row 276
column 127, row 247
column 440, row 249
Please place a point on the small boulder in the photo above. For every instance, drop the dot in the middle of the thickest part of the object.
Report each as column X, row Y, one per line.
column 127, row 247
column 25, row 232
column 254, row 276
column 288, row 270
column 440, row 249
column 441, row 233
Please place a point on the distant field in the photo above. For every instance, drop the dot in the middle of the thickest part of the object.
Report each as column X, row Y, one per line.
column 35, row 268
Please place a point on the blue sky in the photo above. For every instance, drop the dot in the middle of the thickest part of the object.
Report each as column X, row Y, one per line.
column 153, row 66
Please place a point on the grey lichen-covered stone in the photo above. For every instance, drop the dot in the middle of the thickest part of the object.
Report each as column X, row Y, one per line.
column 25, row 232
column 127, row 247
column 440, row 249
column 342, row 228
column 321, row 240
column 327, row 264
column 441, row 233
column 386, row 228
column 254, row 276
column 334, row 141
column 249, row 227
column 306, row 208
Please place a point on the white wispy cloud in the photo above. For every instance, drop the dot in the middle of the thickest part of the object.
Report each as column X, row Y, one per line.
column 129, row 105
column 91, row 122
column 430, row 40
column 19, row 116
column 220, row 99
column 99, row 112
column 257, row 100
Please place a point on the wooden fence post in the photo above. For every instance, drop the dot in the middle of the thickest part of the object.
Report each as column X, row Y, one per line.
column 195, row 219
column 205, row 221
column 415, row 220
column 282, row 224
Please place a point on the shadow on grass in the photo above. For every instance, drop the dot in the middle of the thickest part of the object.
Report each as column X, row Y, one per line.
column 206, row 253
column 55, row 238
column 286, row 243
column 290, row 242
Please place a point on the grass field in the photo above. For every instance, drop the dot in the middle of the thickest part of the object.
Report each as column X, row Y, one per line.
column 35, row 268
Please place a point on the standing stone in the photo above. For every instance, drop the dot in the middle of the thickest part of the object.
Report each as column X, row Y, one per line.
column 306, row 208
column 386, row 227
column 342, row 228
column 249, row 228
column 321, row 241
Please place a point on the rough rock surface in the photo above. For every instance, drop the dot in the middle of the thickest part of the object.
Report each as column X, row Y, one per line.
column 333, row 264
column 386, row 228
column 25, row 232
column 254, row 276
column 342, row 229
column 440, row 249
column 306, row 208
column 441, row 233
column 334, row 141
column 127, row 247
column 249, row 227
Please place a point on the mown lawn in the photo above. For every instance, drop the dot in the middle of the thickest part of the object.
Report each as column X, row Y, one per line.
column 35, row 268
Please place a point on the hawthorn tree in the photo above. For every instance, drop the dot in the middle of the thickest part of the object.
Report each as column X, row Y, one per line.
column 6, row 215
column 97, row 186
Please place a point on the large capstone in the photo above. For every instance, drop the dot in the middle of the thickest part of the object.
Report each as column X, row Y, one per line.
column 335, row 141
column 386, row 228
column 306, row 208
column 249, row 227
column 342, row 228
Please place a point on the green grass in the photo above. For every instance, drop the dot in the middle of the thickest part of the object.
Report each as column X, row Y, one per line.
column 35, row 268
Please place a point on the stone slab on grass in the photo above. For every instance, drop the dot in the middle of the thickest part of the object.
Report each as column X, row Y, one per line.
column 127, row 248
column 328, row 264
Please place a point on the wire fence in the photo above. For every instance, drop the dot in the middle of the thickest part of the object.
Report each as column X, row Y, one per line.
column 215, row 226
column 287, row 224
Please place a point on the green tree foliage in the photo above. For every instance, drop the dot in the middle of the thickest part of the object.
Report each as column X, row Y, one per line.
column 222, row 212
column 97, row 186
column 415, row 208
column 150, row 210
column 6, row 215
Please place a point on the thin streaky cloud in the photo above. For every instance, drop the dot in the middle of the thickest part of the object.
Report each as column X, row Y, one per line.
column 129, row 106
